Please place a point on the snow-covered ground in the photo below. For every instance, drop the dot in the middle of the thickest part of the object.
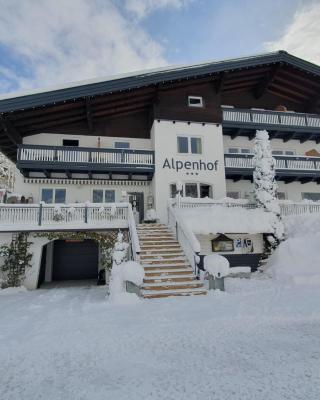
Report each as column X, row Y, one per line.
column 259, row 340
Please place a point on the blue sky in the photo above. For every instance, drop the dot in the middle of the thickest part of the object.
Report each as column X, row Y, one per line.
column 51, row 42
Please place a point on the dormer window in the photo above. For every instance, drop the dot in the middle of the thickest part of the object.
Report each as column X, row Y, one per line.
column 222, row 244
column 195, row 101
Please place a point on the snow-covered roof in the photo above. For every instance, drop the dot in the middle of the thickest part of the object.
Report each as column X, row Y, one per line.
column 109, row 84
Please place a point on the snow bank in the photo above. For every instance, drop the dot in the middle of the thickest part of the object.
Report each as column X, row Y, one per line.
column 296, row 260
column 129, row 271
column 12, row 290
column 220, row 219
column 217, row 266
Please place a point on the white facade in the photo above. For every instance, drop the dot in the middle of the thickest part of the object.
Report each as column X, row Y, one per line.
column 196, row 170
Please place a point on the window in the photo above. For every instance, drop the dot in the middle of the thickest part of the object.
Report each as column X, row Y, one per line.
column 205, row 191
column 192, row 145
column 222, row 243
column 191, row 190
column 233, row 150
column 237, row 150
column 103, row 196
column 311, row 196
column 50, row 196
column 173, row 191
column 195, row 101
column 183, row 144
column 245, row 151
column 196, row 147
column 285, row 152
column 281, row 196
column 70, row 142
column 233, row 195
column 196, row 190
column 121, row 145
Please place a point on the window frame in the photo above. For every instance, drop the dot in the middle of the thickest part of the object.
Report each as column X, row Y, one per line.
column 197, row 105
column 53, row 195
column 104, row 195
column 189, row 152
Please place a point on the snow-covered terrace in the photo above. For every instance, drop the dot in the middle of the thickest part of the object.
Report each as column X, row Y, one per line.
column 41, row 217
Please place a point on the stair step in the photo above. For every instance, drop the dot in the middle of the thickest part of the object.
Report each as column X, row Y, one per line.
column 163, row 267
column 159, row 256
column 168, row 272
column 171, row 261
column 159, row 246
column 169, row 278
column 151, row 294
column 172, row 285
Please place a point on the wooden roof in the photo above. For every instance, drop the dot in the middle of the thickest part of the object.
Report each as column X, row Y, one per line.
column 280, row 74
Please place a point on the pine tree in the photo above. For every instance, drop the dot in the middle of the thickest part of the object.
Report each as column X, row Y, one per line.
column 265, row 186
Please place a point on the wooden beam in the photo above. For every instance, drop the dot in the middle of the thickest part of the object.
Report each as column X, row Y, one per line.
column 311, row 104
column 306, row 137
column 288, row 137
column 218, row 83
column 236, row 133
column 252, row 135
column 89, row 114
column 263, row 85
column 10, row 130
column 284, row 96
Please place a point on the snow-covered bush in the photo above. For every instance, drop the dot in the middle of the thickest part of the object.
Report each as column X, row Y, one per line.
column 265, row 186
column 7, row 176
column 216, row 265
column 122, row 272
column 57, row 214
column 151, row 215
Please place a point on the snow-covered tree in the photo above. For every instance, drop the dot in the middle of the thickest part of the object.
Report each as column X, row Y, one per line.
column 265, row 186
column 6, row 173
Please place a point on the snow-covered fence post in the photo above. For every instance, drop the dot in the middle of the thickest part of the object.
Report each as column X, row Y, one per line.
column 265, row 186
column 217, row 268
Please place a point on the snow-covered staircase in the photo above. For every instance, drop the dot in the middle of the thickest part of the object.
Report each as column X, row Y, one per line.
column 167, row 271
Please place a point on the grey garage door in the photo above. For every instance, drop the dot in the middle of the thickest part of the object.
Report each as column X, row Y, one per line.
column 75, row 260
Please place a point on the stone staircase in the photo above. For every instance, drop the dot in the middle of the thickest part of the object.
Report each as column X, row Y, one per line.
column 167, row 271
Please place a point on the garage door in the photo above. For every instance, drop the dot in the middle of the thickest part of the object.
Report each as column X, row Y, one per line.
column 75, row 260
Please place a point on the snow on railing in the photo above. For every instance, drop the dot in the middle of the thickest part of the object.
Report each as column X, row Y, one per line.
column 265, row 117
column 282, row 162
column 59, row 154
column 187, row 239
column 15, row 217
column 134, row 239
column 286, row 207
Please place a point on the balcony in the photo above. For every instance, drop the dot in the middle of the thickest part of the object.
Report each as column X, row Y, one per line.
column 48, row 161
column 279, row 124
column 288, row 168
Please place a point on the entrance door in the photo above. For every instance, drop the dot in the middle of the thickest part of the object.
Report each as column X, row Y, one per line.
column 136, row 199
column 75, row 260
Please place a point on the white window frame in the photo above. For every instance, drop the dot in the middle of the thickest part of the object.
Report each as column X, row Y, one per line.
column 189, row 144
column 199, row 105
column 234, row 191
column 53, row 194
column 104, row 194
column 192, row 183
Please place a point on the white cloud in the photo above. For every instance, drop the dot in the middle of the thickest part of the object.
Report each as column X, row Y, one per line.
column 141, row 8
column 302, row 35
column 61, row 41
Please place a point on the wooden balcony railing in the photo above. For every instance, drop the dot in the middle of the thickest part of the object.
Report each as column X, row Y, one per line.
column 38, row 157
column 270, row 119
column 292, row 163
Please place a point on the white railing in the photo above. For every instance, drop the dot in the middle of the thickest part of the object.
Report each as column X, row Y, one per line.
column 286, row 207
column 134, row 239
column 265, row 117
column 28, row 217
column 282, row 162
column 187, row 239
column 55, row 154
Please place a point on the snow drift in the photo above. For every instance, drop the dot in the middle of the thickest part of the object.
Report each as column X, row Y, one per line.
column 296, row 260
